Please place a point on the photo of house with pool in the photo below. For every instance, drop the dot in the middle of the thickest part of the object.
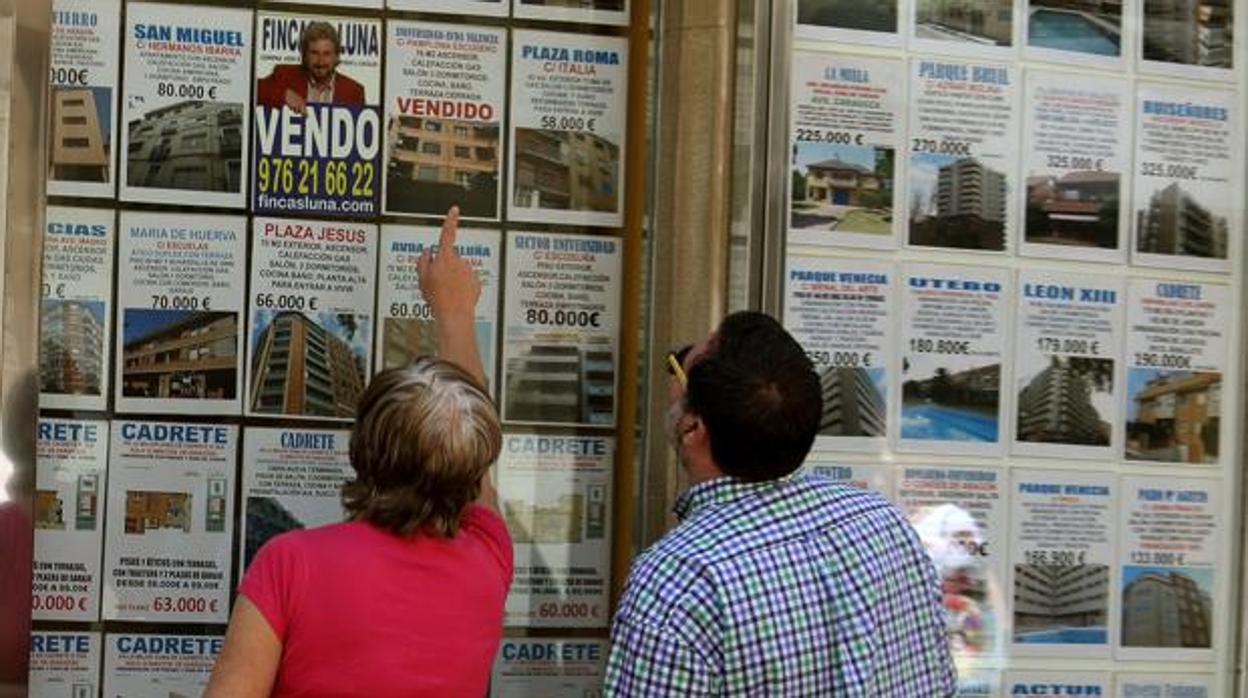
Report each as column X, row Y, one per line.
column 1061, row 604
column 842, row 189
column 849, row 14
column 1093, row 27
column 1173, row 416
column 983, row 22
column 957, row 401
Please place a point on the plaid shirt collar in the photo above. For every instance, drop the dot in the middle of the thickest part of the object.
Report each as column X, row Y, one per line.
column 724, row 489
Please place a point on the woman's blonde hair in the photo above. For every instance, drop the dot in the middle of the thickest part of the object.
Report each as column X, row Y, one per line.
column 424, row 436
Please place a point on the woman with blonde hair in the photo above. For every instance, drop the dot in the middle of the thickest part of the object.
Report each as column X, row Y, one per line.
column 406, row 597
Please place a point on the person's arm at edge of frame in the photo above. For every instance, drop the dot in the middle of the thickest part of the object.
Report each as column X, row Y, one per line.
column 247, row 666
column 451, row 288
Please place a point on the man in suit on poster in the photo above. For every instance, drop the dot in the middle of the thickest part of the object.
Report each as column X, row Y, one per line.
column 315, row 80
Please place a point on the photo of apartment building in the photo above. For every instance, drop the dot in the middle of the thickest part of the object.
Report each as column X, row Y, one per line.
column 561, row 384
column 569, row 170
column 1067, row 604
column 965, row 207
column 265, row 518
column 435, row 163
column 849, row 14
column 187, row 145
column 987, row 22
column 1167, row 607
column 842, row 188
column 1082, row 26
column 853, row 403
column 180, row 354
column 153, row 511
column 617, row 5
column 1173, row 417
column 1175, row 222
column 1056, row 404
column 80, row 133
column 71, row 347
column 1078, row 208
column 1190, row 32
column 299, row 367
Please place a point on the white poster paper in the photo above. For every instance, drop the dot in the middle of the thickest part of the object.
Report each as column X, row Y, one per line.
column 1066, row 368
column 408, row 330
column 1164, row 686
column 549, row 668
column 1170, row 556
column 1187, row 41
column 1185, row 185
column 555, row 494
column 953, row 343
column 584, row 11
column 985, row 29
column 446, row 89
column 76, row 308
column 849, row 21
column 1089, row 35
column 877, row 478
column 185, row 108
column 978, row 683
column 846, row 133
column 64, row 664
column 560, row 343
column 159, row 666
column 318, row 115
column 292, row 479
column 1062, row 549
column 488, row 8
column 171, row 513
column 959, row 515
column 1055, row 684
column 71, row 458
column 82, row 135
column 840, row 311
column 1077, row 155
column 963, row 155
column 1176, row 355
column 568, row 104
column 180, row 313
column 310, row 337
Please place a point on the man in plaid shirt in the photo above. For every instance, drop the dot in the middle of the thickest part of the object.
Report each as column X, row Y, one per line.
column 773, row 583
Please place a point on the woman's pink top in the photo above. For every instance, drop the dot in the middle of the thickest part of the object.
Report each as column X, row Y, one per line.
column 363, row 612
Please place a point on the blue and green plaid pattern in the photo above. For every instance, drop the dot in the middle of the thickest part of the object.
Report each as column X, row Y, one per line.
column 797, row 587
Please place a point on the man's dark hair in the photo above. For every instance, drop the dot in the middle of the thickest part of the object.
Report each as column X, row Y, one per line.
column 758, row 395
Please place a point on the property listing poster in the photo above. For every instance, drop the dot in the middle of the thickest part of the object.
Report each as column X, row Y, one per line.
column 333, row 3
column 549, row 668
column 1056, row 684
column 75, row 308
column 1086, row 34
column 877, row 478
column 1066, row 351
column 1170, row 556
column 839, row 310
column 185, row 107
column 1185, row 184
column 846, row 132
column 170, row 498
column 179, row 313
column 959, row 515
column 953, row 343
column 486, row 8
column 1062, row 540
column 555, row 495
column 85, row 51
column 1176, row 355
column 849, row 21
column 568, row 97
column 585, row 11
column 1189, row 41
column 158, row 666
column 292, row 479
column 963, row 154
column 978, row 683
column 318, row 115
column 310, row 339
column 64, row 664
column 561, row 340
column 71, row 459
column 1164, row 686
column 446, row 87
column 408, row 330
column 1077, row 154
column 985, row 29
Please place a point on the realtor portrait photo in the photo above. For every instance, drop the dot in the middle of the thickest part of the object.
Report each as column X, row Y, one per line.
column 315, row 79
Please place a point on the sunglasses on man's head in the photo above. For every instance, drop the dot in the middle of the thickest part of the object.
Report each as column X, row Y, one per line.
column 676, row 364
